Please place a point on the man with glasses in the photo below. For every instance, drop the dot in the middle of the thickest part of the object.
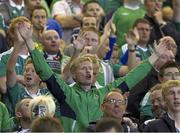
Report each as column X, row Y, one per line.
column 149, row 108
column 114, row 106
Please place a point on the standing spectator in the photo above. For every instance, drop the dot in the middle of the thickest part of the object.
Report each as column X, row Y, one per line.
column 110, row 7
column 159, row 27
column 93, row 8
column 11, row 9
column 41, row 23
column 137, row 48
column 31, row 4
column 138, row 92
column 82, row 97
column 30, row 85
column 22, row 56
column 51, row 43
column 125, row 16
column 65, row 13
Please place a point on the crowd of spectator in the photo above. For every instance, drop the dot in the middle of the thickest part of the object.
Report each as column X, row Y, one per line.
column 89, row 66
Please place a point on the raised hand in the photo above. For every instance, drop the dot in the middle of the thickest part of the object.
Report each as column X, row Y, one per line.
column 132, row 37
column 109, row 28
column 164, row 51
column 158, row 16
column 25, row 31
column 79, row 43
column 166, row 44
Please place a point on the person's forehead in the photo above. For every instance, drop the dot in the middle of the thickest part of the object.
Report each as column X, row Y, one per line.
column 172, row 89
column 153, row 1
column 114, row 95
column 50, row 33
column 29, row 65
column 37, row 11
column 85, row 63
column 156, row 92
column 171, row 69
column 89, row 20
column 93, row 5
column 143, row 25
column 87, row 33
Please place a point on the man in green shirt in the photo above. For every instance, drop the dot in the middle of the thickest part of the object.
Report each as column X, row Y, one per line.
column 80, row 104
column 125, row 16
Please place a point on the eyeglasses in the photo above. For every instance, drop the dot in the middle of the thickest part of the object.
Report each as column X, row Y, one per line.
column 114, row 101
column 170, row 74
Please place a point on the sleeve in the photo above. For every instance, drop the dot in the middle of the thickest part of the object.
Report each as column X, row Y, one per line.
column 170, row 30
column 6, row 123
column 59, row 89
column 42, row 68
column 3, row 65
column 133, row 77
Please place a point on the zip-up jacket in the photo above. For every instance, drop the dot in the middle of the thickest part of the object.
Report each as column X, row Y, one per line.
column 79, row 107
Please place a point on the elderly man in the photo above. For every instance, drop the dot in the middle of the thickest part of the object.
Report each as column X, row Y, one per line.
column 114, row 106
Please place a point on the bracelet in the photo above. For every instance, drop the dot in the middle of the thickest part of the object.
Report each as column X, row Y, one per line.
column 131, row 50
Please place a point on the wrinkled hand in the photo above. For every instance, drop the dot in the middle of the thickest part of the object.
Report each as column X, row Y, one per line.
column 132, row 37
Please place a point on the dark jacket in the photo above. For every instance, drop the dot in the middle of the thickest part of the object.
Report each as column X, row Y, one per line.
column 157, row 32
column 164, row 124
column 3, row 44
column 138, row 92
column 126, row 128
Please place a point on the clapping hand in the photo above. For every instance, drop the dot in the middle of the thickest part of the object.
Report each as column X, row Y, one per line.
column 132, row 37
column 25, row 31
column 164, row 51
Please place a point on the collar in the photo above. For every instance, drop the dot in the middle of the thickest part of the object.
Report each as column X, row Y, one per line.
column 136, row 7
column 143, row 49
column 19, row 7
column 33, row 95
column 58, row 55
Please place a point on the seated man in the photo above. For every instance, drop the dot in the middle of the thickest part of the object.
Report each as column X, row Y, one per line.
column 114, row 106
column 169, row 122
